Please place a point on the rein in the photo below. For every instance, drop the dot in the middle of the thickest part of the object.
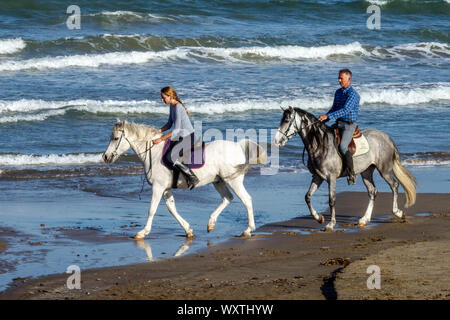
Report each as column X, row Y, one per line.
column 297, row 130
column 148, row 150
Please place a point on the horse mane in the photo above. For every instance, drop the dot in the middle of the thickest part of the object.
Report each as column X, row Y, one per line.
column 316, row 139
column 140, row 131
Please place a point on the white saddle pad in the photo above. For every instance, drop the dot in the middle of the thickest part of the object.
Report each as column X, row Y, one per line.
column 362, row 146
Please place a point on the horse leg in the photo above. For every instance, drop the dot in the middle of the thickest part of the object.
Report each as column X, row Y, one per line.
column 237, row 186
column 156, row 197
column 315, row 184
column 332, row 202
column 170, row 203
column 389, row 178
column 367, row 177
column 227, row 197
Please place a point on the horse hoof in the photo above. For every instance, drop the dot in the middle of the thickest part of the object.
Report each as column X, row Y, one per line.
column 246, row 234
column 190, row 234
column 138, row 236
column 361, row 224
column 210, row 227
column 322, row 220
column 399, row 214
column 328, row 229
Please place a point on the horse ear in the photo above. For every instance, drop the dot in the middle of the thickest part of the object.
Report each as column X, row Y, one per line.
column 291, row 109
column 118, row 120
column 282, row 108
column 123, row 123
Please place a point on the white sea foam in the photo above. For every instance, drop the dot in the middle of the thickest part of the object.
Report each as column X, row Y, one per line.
column 116, row 13
column 8, row 46
column 378, row 2
column 134, row 15
column 243, row 54
column 31, row 117
column 420, row 49
column 113, row 106
column 17, row 160
column 405, row 96
column 92, row 60
column 286, row 52
column 426, row 162
column 40, row 110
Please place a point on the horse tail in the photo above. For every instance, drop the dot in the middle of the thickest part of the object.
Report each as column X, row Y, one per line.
column 406, row 179
column 253, row 152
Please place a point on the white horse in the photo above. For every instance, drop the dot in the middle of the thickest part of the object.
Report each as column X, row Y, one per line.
column 226, row 164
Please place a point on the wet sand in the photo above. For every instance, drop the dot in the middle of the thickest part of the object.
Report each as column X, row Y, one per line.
column 289, row 260
column 4, row 233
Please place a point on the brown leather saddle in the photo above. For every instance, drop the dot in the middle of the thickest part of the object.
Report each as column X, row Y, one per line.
column 351, row 145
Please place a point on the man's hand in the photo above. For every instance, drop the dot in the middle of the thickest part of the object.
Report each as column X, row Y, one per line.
column 323, row 117
column 156, row 141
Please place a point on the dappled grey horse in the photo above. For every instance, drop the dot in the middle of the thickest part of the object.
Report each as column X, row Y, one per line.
column 325, row 162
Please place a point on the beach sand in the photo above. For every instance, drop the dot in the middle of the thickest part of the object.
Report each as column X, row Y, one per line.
column 290, row 260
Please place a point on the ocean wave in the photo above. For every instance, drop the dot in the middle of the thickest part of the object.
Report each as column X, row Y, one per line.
column 92, row 60
column 412, row 6
column 41, row 110
column 129, row 42
column 18, row 160
column 131, row 16
column 410, row 50
column 394, row 95
column 8, row 46
column 426, row 159
column 253, row 54
column 405, row 96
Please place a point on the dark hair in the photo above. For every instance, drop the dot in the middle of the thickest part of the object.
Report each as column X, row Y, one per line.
column 346, row 71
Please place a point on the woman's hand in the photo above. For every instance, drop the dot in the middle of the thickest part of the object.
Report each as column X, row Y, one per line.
column 156, row 141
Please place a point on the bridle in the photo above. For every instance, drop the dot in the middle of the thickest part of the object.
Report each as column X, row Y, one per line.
column 297, row 130
column 114, row 153
column 148, row 150
column 289, row 128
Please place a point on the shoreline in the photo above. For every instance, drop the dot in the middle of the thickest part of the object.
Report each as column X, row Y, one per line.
column 285, row 260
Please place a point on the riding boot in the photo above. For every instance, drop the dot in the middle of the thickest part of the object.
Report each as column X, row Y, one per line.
column 349, row 164
column 191, row 178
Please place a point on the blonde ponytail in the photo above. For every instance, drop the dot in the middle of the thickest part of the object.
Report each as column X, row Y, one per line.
column 187, row 111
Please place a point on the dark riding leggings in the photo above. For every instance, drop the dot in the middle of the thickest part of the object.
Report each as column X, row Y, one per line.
column 175, row 148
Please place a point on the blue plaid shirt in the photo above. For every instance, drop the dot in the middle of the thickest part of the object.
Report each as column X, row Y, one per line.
column 345, row 105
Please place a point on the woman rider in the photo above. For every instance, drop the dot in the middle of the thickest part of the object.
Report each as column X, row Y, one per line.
column 182, row 135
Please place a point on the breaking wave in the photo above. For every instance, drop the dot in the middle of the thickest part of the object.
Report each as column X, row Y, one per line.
column 8, row 46
column 252, row 54
column 394, row 95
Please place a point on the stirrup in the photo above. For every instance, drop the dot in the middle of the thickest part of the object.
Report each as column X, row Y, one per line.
column 351, row 179
column 192, row 181
column 191, row 178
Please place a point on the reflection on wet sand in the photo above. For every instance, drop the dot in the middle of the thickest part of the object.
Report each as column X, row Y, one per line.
column 148, row 249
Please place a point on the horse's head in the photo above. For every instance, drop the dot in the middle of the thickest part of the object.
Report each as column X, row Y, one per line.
column 118, row 143
column 287, row 128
